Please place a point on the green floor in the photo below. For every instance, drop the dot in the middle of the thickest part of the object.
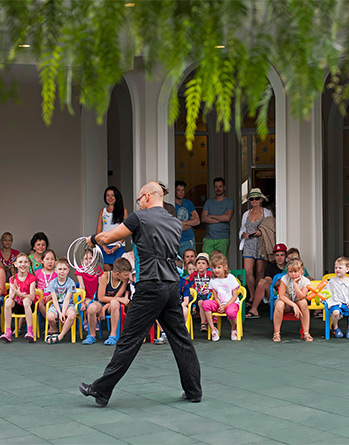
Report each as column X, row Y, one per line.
column 255, row 392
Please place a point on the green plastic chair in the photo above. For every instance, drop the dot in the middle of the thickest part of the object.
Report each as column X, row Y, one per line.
column 241, row 275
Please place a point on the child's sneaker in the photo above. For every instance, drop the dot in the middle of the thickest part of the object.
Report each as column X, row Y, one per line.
column 234, row 335
column 29, row 336
column 6, row 337
column 215, row 335
column 161, row 340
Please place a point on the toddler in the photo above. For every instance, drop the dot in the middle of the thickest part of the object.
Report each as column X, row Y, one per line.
column 62, row 289
column 21, row 298
column 292, row 292
column 224, row 288
column 199, row 281
column 338, row 303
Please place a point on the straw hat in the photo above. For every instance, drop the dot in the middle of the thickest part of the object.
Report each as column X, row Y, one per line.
column 164, row 187
column 256, row 193
column 203, row 256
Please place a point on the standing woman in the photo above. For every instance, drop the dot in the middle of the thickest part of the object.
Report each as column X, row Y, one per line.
column 109, row 218
column 249, row 235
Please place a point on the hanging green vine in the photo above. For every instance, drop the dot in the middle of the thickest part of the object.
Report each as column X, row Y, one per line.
column 90, row 44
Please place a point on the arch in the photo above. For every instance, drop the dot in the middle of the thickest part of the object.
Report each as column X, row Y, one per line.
column 165, row 148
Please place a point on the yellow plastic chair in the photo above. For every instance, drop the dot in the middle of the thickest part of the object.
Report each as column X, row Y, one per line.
column 239, row 325
column 313, row 306
column 36, row 330
column 79, row 296
column 328, row 276
column 189, row 323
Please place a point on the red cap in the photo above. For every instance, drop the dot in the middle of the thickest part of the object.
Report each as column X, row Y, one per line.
column 280, row 248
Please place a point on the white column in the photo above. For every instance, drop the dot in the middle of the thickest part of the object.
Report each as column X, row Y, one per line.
column 94, row 169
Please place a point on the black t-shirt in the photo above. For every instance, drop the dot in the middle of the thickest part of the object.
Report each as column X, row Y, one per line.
column 156, row 235
column 272, row 269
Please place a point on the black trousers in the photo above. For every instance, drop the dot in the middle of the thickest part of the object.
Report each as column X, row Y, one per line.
column 153, row 300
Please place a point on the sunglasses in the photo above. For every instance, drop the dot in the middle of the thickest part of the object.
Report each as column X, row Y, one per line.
column 254, row 199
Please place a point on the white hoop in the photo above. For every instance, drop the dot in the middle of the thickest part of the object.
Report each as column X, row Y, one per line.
column 76, row 257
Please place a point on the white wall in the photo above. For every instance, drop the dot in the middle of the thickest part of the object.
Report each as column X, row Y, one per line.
column 40, row 176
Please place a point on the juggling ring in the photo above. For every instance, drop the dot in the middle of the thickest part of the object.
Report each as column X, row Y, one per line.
column 318, row 292
column 75, row 255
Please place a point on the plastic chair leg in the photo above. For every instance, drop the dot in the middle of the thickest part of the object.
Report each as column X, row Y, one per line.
column 152, row 334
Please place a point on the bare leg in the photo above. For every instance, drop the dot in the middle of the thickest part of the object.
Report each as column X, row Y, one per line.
column 261, row 289
column 335, row 319
column 260, row 269
column 202, row 312
column 27, row 303
column 208, row 315
column 305, row 319
column 92, row 313
column 51, row 318
column 114, row 309
column 9, row 304
column 278, row 315
column 68, row 322
column 249, row 266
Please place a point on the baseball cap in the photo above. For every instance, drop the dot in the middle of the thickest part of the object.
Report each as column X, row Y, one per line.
column 280, row 248
column 203, row 256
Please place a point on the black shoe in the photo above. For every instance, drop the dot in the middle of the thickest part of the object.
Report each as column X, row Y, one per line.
column 191, row 399
column 87, row 390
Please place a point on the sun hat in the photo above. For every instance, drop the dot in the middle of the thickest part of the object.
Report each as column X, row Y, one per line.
column 280, row 248
column 256, row 193
column 203, row 256
column 164, row 187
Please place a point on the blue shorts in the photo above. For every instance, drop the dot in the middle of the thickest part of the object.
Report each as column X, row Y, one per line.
column 343, row 309
column 109, row 259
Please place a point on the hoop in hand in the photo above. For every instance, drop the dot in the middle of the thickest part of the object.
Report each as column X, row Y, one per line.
column 79, row 260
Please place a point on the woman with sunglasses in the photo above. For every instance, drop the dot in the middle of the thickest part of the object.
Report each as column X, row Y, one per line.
column 109, row 218
column 249, row 235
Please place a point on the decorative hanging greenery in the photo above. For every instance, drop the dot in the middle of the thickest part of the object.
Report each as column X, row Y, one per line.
column 91, row 43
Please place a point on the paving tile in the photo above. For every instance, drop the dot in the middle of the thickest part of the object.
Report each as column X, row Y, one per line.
column 27, row 439
column 56, row 431
column 95, row 437
column 168, row 438
column 123, row 430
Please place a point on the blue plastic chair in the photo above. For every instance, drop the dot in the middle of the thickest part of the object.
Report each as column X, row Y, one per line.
column 273, row 295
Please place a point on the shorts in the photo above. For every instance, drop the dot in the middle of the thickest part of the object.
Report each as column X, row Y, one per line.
column 343, row 310
column 109, row 259
column 201, row 297
column 53, row 309
column 18, row 309
column 209, row 245
column 251, row 249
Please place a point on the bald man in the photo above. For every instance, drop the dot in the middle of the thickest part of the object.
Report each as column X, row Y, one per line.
column 156, row 235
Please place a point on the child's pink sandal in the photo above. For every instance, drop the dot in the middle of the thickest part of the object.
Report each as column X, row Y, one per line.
column 6, row 337
column 30, row 337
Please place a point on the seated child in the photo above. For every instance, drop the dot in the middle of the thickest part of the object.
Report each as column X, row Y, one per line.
column 190, row 268
column 44, row 276
column 112, row 291
column 294, row 254
column 87, row 281
column 338, row 303
column 62, row 308
column 225, row 288
column 292, row 292
column 199, row 281
column 21, row 297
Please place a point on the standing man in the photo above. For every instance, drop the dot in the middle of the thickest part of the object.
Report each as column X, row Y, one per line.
column 217, row 214
column 189, row 217
column 156, row 234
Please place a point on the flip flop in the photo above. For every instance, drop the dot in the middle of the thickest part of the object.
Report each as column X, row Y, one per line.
column 251, row 315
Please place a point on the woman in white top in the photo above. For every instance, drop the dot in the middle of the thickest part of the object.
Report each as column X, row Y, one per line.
column 108, row 218
column 249, row 235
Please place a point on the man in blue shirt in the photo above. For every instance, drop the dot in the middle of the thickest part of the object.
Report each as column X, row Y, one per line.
column 189, row 217
column 217, row 213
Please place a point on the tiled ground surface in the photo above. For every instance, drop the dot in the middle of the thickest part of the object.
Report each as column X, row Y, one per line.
column 255, row 392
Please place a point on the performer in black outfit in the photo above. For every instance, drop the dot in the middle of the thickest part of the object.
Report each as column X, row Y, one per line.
column 156, row 234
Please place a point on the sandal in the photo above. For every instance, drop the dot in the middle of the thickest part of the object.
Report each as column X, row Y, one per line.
column 111, row 341
column 89, row 340
column 251, row 315
column 53, row 339
column 276, row 337
column 30, row 337
column 203, row 327
column 307, row 337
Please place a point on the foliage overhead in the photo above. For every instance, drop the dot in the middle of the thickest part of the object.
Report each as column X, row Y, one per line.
column 91, row 44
